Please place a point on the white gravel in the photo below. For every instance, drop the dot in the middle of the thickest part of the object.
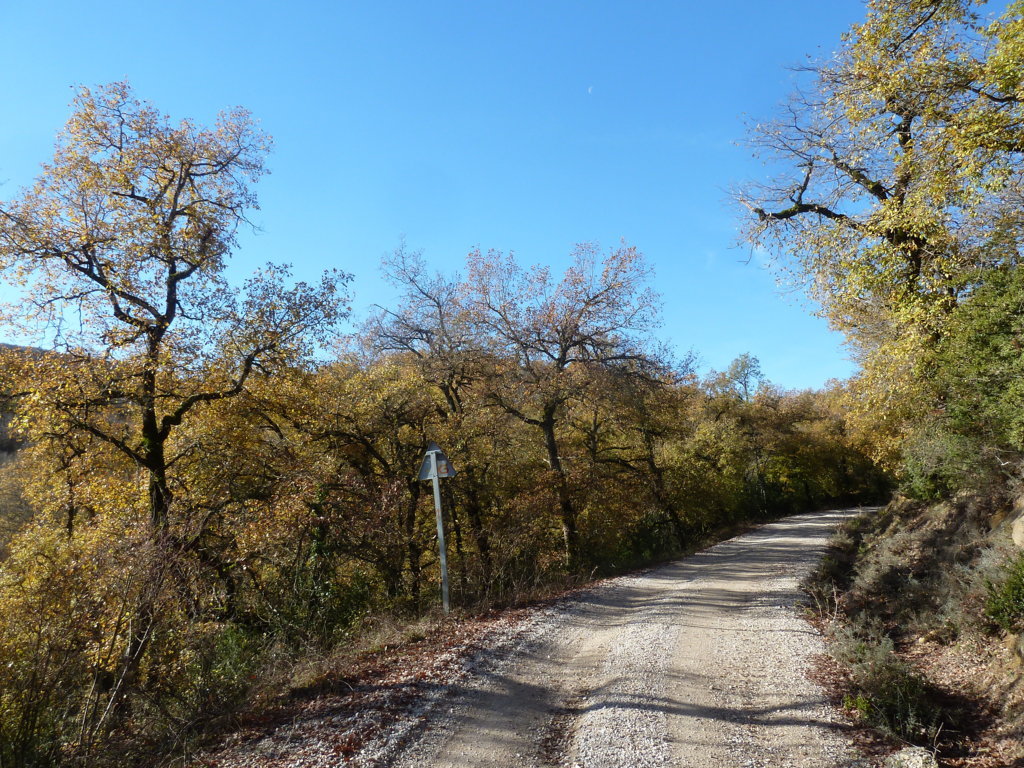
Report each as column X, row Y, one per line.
column 696, row 663
column 700, row 662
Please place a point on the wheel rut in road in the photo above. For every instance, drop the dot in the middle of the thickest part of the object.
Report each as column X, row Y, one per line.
column 696, row 663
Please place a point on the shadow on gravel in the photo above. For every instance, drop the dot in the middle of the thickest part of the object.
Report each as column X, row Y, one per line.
column 737, row 566
column 504, row 694
column 732, row 578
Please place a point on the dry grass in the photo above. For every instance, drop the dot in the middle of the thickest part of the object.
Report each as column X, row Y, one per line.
column 903, row 593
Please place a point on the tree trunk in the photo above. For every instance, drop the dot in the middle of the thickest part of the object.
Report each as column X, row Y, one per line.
column 661, row 494
column 414, row 552
column 476, row 527
column 460, row 554
column 155, row 461
column 570, row 534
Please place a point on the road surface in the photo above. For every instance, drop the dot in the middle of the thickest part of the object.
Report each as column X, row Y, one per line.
column 701, row 662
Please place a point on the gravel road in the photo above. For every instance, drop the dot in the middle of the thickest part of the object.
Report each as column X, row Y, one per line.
column 697, row 663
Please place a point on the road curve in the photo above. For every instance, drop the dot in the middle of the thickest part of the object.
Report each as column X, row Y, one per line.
column 700, row 662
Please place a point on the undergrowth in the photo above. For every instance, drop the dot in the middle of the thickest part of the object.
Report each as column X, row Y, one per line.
column 897, row 575
column 1005, row 600
column 886, row 692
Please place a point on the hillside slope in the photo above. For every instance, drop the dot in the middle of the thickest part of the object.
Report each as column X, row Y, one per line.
column 923, row 603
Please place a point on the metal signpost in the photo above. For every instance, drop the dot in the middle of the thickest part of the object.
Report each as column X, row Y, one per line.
column 436, row 465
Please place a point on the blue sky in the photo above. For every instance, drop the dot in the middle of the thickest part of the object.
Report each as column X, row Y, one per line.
column 524, row 126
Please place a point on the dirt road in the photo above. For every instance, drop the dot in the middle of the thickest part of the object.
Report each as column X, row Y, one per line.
column 696, row 663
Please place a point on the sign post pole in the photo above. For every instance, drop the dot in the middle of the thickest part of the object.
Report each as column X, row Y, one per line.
column 436, row 465
column 440, row 531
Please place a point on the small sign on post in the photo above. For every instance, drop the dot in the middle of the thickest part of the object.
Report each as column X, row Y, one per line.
column 436, row 465
column 444, row 466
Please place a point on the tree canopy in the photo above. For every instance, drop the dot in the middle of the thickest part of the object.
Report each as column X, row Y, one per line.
column 203, row 490
column 899, row 191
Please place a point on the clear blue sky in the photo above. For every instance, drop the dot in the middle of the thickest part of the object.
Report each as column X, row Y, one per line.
column 524, row 126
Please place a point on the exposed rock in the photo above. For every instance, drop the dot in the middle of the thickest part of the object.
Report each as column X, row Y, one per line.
column 912, row 757
column 1017, row 531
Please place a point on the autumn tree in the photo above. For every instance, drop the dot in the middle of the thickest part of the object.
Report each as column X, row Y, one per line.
column 361, row 438
column 129, row 230
column 899, row 187
column 120, row 249
column 549, row 335
column 432, row 327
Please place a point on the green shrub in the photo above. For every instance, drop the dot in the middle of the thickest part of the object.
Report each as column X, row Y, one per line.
column 887, row 692
column 1005, row 602
column 225, row 662
column 938, row 462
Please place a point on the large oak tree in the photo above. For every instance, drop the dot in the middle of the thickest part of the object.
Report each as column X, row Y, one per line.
column 120, row 248
column 898, row 187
